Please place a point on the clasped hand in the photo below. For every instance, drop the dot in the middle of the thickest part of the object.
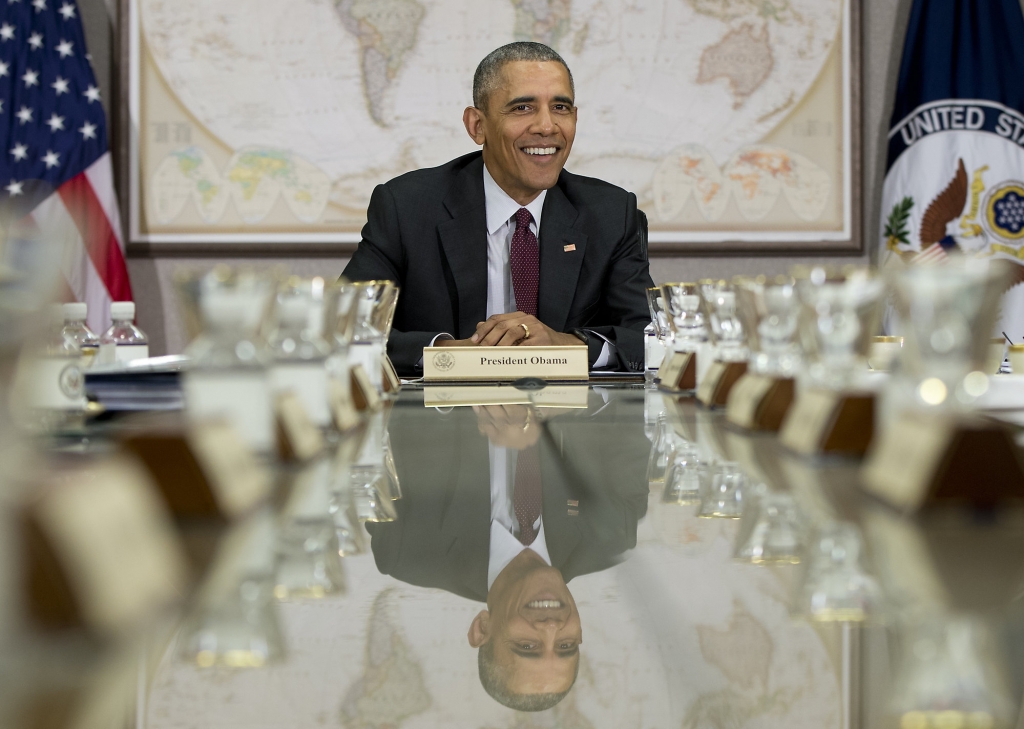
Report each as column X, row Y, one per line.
column 513, row 329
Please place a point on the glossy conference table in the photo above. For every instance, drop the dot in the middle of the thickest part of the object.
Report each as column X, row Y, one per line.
column 677, row 631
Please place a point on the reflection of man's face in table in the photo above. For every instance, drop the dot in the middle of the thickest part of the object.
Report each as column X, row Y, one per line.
column 529, row 637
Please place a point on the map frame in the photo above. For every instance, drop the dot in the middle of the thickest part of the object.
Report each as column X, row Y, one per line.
column 127, row 122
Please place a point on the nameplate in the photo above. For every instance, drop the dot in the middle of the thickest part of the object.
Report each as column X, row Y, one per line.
column 923, row 458
column 552, row 396
column 759, row 402
column 107, row 540
column 718, row 382
column 239, row 481
column 298, row 437
column 343, row 410
column 823, row 421
column 678, row 371
column 389, row 376
column 504, row 364
column 364, row 393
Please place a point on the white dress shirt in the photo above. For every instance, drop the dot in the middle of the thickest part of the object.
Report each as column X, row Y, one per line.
column 505, row 545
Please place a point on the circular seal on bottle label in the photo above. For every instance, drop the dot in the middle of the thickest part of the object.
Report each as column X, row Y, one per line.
column 444, row 361
column 72, row 384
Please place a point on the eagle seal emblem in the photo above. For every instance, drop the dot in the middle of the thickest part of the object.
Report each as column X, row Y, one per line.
column 444, row 361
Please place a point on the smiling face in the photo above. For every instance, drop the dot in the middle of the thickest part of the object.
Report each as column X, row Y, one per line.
column 533, row 627
column 527, row 128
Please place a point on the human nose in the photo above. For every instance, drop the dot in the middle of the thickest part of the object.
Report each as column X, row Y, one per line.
column 544, row 122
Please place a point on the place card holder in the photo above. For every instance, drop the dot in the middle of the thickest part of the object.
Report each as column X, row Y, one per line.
column 921, row 460
column 100, row 551
column 678, row 372
column 204, row 471
column 822, row 421
column 298, row 437
column 759, row 402
column 364, row 395
column 718, row 382
column 389, row 376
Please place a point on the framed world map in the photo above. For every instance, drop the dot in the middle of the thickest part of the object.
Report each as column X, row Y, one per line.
column 270, row 121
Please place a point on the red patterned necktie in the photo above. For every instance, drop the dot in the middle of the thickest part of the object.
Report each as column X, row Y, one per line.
column 526, row 498
column 525, row 264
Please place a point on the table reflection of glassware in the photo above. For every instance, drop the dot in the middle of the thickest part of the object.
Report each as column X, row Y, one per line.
column 951, row 674
column 836, row 588
column 723, row 498
column 234, row 622
column 841, row 311
column 778, row 533
column 227, row 311
column 308, row 554
column 768, row 311
column 685, row 475
column 661, row 450
column 685, row 318
column 946, row 315
column 373, row 488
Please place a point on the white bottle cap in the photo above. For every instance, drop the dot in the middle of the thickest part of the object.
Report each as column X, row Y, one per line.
column 76, row 311
column 121, row 310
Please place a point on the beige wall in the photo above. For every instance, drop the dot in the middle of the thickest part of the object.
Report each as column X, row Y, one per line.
column 883, row 21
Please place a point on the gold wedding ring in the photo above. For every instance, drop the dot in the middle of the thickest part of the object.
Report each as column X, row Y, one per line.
column 527, row 330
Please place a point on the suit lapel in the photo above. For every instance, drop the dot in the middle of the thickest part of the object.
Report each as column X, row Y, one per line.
column 464, row 240
column 559, row 262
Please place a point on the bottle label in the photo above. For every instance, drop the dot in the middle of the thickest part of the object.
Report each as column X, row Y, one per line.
column 241, row 398
column 52, row 382
column 129, row 352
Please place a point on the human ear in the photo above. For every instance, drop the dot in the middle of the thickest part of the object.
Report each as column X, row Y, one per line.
column 473, row 118
column 480, row 629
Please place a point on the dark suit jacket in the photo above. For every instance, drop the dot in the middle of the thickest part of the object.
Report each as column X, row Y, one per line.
column 427, row 230
column 442, row 535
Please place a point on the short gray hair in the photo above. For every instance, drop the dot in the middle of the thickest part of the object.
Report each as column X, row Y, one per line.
column 488, row 74
column 494, row 679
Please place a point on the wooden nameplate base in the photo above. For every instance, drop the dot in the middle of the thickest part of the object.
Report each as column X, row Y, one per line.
column 505, row 364
column 389, row 376
column 204, row 471
column 922, row 460
column 759, row 402
column 298, row 437
column 718, row 383
column 823, row 421
column 99, row 549
column 678, row 372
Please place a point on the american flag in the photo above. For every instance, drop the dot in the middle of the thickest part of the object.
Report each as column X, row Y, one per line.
column 55, row 163
column 933, row 254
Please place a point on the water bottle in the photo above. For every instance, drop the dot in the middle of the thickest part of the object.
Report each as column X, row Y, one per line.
column 76, row 330
column 124, row 341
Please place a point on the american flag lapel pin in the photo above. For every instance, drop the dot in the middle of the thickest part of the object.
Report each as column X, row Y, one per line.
column 570, row 247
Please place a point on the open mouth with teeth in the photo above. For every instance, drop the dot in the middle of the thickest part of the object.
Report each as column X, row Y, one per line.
column 544, row 604
column 541, row 152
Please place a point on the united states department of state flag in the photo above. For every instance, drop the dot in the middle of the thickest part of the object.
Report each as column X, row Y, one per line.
column 55, row 163
column 955, row 170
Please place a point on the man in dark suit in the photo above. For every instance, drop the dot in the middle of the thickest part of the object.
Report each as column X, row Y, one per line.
column 503, row 246
column 450, row 532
